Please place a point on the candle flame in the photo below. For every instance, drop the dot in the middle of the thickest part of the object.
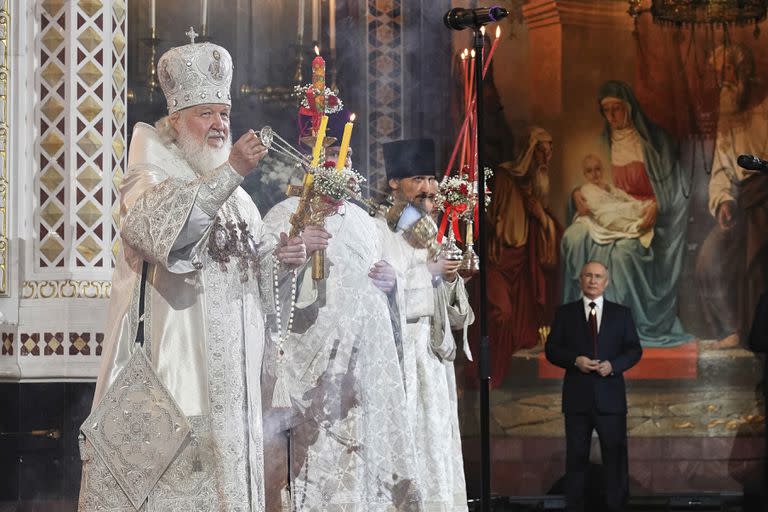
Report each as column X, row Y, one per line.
column 466, row 52
column 498, row 32
column 472, row 54
column 317, row 50
column 352, row 118
column 482, row 30
column 463, row 56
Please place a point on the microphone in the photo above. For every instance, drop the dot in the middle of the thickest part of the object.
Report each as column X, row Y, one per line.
column 459, row 18
column 752, row 163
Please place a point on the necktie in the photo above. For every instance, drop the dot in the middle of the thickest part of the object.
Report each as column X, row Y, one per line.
column 593, row 325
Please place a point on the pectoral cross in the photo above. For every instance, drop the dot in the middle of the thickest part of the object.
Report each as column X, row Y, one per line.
column 191, row 34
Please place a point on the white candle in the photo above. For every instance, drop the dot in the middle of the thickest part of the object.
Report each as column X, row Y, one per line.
column 204, row 13
column 315, row 20
column 332, row 25
column 300, row 18
column 152, row 19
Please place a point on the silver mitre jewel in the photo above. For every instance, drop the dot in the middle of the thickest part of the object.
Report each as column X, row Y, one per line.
column 195, row 74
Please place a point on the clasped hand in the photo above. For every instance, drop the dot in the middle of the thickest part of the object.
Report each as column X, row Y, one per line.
column 586, row 365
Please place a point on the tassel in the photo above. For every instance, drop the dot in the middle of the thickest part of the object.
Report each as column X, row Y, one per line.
column 280, row 397
column 285, row 497
column 197, row 464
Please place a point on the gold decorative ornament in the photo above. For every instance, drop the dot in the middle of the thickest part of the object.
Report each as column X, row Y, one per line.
column 66, row 289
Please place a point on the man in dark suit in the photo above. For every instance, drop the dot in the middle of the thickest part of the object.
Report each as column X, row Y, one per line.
column 596, row 342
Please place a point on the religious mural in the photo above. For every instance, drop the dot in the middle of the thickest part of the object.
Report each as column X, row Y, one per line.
column 626, row 134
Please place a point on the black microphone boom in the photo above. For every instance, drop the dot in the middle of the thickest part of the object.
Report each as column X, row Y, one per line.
column 752, row 163
column 459, row 18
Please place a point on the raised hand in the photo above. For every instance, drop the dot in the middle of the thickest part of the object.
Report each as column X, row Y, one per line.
column 247, row 153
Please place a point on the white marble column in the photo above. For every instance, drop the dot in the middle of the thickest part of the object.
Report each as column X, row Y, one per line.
column 65, row 113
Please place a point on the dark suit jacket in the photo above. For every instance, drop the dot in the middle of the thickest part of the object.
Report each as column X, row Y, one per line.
column 617, row 342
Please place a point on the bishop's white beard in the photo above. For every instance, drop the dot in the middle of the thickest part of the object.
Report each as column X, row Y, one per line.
column 199, row 155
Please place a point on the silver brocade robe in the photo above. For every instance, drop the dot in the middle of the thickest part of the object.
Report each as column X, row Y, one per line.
column 352, row 446
column 204, row 327
column 432, row 309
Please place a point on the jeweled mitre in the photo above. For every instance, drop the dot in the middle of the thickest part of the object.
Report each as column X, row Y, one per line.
column 195, row 74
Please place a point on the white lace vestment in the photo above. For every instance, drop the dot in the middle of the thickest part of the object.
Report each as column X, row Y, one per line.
column 433, row 308
column 203, row 326
column 352, row 446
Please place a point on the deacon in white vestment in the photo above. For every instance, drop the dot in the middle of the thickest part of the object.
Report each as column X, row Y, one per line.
column 436, row 302
column 351, row 445
column 182, row 211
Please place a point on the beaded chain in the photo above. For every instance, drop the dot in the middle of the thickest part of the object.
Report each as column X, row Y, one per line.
column 282, row 336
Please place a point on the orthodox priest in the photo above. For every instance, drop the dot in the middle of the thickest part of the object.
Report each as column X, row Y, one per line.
column 192, row 241
column 351, row 446
column 436, row 302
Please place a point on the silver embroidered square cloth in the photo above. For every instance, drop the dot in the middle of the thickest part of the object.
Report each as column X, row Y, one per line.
column 137, row 428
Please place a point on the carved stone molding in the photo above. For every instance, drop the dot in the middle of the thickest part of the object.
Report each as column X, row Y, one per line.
column 5, row 37
column 578, row 13
column 66, row 289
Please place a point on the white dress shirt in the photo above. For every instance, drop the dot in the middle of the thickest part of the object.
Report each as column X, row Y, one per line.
column 598, row 309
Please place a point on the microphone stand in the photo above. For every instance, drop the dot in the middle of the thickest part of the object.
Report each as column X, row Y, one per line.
column 482, row 313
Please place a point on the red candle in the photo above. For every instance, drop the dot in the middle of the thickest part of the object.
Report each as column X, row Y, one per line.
column 464, row 71
column 493, row 49
column 471, row 75
column 318, row 81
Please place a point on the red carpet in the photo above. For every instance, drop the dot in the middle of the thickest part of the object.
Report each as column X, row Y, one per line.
column 657, row 363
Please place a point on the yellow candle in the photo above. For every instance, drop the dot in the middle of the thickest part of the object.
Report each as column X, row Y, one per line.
column 341, row 161
column 319, row 141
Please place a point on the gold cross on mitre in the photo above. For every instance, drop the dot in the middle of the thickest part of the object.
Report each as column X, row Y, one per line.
column 191, row 34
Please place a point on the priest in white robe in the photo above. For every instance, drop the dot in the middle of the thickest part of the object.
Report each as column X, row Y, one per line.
column 351, row 447
column 436, row 302
column 183, row 213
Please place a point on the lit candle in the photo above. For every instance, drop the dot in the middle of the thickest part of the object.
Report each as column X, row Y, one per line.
column 318, row 82
column 204, row 14
column 319, row 141
column 300, row 18
column 153, row 19
column 464, row 70
column 493, row 49
column 341, row 161
column 471, row 75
